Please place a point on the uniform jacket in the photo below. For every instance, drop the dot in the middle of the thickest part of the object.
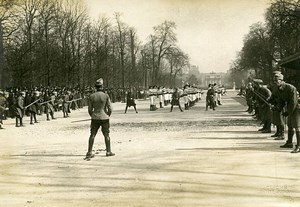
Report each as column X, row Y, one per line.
column 20, row 106
column 99, row 107
column 287, row 94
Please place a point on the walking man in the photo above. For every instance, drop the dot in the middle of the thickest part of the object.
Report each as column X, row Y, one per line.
column 99, row 109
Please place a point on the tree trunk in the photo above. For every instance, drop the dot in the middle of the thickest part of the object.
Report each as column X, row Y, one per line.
column 2, row 64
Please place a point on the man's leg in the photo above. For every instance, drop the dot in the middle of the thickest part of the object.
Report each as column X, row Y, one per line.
column 289, row 142
column 31, row 117
column 180, row 107
column 17, row 121
column 135, row 109
column 94, row 129
column 105, row 132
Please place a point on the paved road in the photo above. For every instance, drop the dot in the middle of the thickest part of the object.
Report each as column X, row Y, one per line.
column 195, row 158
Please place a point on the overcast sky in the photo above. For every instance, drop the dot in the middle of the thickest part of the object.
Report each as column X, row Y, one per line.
column 211, row 32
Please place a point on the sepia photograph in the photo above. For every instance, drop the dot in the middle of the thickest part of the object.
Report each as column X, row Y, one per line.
column 149, row 103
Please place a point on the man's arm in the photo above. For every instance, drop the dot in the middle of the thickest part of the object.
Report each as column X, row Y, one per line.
column 293, row 101
column 108, row 106
column 90, row 107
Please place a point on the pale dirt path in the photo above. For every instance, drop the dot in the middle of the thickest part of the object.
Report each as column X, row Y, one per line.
column 194, row 158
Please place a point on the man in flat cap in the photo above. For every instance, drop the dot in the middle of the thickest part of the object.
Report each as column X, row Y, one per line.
column 99, row 109
column 287, row 96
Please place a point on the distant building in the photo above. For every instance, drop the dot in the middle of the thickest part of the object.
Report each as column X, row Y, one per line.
column 212, row 77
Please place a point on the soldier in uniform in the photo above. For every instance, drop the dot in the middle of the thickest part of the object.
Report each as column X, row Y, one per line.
column 49, row 109
column 175, row 100
column 160, row 96
column 264, row 94
column 277, row 117
column 65, row 104
column 33, row 108
column 19, row 109
column 249, row 97
column 152, row 95
column 99, row 109
column 287, row 96
column 219, row 95
column 3, row 107
column 185, row 97
column 210, row 97
column 130, row 101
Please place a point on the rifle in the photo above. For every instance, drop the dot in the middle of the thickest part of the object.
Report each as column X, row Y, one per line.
column 32, row 103
column 261, row 97
column 74, row 100
column 45, row 102
column 83, row 120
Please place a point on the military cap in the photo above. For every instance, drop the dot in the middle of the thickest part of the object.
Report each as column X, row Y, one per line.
column 99, row 82
column 276, row 72
column 278, row 76
column 259, row 81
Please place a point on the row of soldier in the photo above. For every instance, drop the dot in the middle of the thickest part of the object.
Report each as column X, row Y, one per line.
column 44, row 100
column 188, row 93
column 273, row 105
column 20, row 103
column 166, row 96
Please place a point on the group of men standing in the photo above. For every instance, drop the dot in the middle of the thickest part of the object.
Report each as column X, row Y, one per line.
column 213, row 96
column 20, row 103
column 273, row 106
column 172, row 96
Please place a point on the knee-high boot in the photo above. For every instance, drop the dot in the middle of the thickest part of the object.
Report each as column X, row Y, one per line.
column 298, row 137
column 289, row 142
column 17, row 120
column 277, row 131
column 91, row 143
column 108, row 149
column 297, row 147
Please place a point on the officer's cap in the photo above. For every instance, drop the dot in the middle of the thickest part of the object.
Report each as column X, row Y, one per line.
column 278, row 76
column 99, row 82
column 276, row 72
column 259, row 81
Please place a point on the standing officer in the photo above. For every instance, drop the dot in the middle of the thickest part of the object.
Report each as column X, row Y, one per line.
column 33, row 107
column 19, row 109
column 287, row 96
column 99, row 109
column 175, row 100
column 130, row 101
column 210, row 97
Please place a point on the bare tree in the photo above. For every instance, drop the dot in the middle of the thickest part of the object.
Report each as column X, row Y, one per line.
column 122, row 32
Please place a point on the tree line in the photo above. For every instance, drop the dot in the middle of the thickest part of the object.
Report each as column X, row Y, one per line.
column 269, row 42
column 54, row 42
